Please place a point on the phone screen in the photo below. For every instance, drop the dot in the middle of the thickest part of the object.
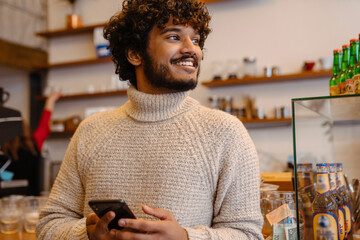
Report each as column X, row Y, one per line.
column 121, row 209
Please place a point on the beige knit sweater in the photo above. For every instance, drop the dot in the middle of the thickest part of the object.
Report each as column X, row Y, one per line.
column 166, row 151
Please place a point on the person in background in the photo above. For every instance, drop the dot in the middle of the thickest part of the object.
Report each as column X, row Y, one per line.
column 43, row 130
column 25, row 150
column 186, row 171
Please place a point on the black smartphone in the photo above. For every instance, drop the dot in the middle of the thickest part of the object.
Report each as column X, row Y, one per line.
column 121, row 209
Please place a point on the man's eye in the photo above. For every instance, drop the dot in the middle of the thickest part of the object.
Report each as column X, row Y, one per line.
column 196, row 41
column 174, row 37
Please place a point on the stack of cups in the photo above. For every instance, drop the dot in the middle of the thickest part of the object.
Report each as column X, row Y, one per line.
column 19, row 212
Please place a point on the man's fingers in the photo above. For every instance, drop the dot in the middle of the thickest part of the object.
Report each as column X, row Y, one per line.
column 130, row 236
column 140, row 225
column 162, row 214
column 91, row 219
column 105, row 220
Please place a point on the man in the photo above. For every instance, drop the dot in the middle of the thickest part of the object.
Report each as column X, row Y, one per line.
column 186, row 171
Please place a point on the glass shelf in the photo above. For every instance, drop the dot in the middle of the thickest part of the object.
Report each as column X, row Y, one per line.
column 334, row 108
column 328, row 128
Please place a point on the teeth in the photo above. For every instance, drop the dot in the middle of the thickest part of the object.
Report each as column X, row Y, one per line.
column 185, row 64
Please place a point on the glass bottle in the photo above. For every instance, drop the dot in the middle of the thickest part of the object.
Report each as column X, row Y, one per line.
column 228, row 104
column 357, row 67
column 302, row 199
column 341, row 80
column 308, row 192
column 325, row 217
column 300, row 179
column 339, row 200
column 334, row 89
column 308, row 176
column 214, row 102
column 357, row 43
column 342, row 190
column 349, row 82
column 357, row 73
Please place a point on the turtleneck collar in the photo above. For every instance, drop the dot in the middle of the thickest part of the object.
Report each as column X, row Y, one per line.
column 157, row 107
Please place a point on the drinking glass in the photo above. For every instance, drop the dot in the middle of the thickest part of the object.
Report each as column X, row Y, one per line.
column 279, row 211
column 10, row 214
column 31, row 208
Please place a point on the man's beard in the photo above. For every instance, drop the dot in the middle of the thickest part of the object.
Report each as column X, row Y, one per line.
column 159, row 76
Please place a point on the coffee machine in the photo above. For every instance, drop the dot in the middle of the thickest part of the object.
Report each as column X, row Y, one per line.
column 11, row 126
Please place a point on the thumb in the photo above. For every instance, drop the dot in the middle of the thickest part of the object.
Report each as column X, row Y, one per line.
column 162, row 214
column 91, row 219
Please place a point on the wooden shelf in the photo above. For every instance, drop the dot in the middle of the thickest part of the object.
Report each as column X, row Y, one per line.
column 88, row 95
column 61, row 134
column 65, row 32
column 261, row 80
column 265, row 123
column 74, row 63
column 17, row 56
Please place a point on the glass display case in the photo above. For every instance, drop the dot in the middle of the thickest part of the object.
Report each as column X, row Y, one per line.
column 326, row 139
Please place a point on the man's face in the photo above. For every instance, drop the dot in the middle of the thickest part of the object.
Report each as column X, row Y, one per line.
column 172, row 60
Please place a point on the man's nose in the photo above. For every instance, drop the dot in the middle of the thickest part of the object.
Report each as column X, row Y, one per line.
column 188, row 46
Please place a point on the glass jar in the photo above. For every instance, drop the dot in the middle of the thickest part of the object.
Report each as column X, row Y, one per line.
column 279, row 211
column 249, row 67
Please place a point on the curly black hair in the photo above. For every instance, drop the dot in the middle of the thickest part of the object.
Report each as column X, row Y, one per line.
column 130, row 28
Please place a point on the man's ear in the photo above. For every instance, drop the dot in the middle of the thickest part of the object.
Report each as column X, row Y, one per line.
column 133, row 57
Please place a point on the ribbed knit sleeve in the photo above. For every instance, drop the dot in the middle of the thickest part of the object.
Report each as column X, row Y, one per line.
column 237, row 213
column 62, row 217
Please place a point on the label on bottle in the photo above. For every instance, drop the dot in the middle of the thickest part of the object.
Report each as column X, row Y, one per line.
column 332, row 181
column 334, row 90
column 341, row 212
column 348, row 222
column 339, row 179
column 357, row 84
column 323, row 185
column 342, row 86
column 325, row 226
column 349, row 86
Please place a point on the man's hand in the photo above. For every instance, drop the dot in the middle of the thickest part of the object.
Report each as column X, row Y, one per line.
column 98, row 228
column 165, row 229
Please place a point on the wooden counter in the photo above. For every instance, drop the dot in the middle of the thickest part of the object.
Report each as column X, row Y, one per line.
column 18, row 236
column 282, row 179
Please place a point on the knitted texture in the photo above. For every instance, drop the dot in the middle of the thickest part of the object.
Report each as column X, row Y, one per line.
column 165, row 151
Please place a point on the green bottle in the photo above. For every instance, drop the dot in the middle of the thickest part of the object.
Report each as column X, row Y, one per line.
column 341, row 80
column 357, row 73
column 349, row 79
column 334, row 89
column 357, row 49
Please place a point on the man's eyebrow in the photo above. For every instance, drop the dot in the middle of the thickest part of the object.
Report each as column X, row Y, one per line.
column 175, row 29
column 166, row 30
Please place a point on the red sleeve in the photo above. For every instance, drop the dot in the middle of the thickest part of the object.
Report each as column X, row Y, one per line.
column 43, row 129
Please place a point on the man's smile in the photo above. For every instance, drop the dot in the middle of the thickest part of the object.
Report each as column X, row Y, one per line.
column 188, row 63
